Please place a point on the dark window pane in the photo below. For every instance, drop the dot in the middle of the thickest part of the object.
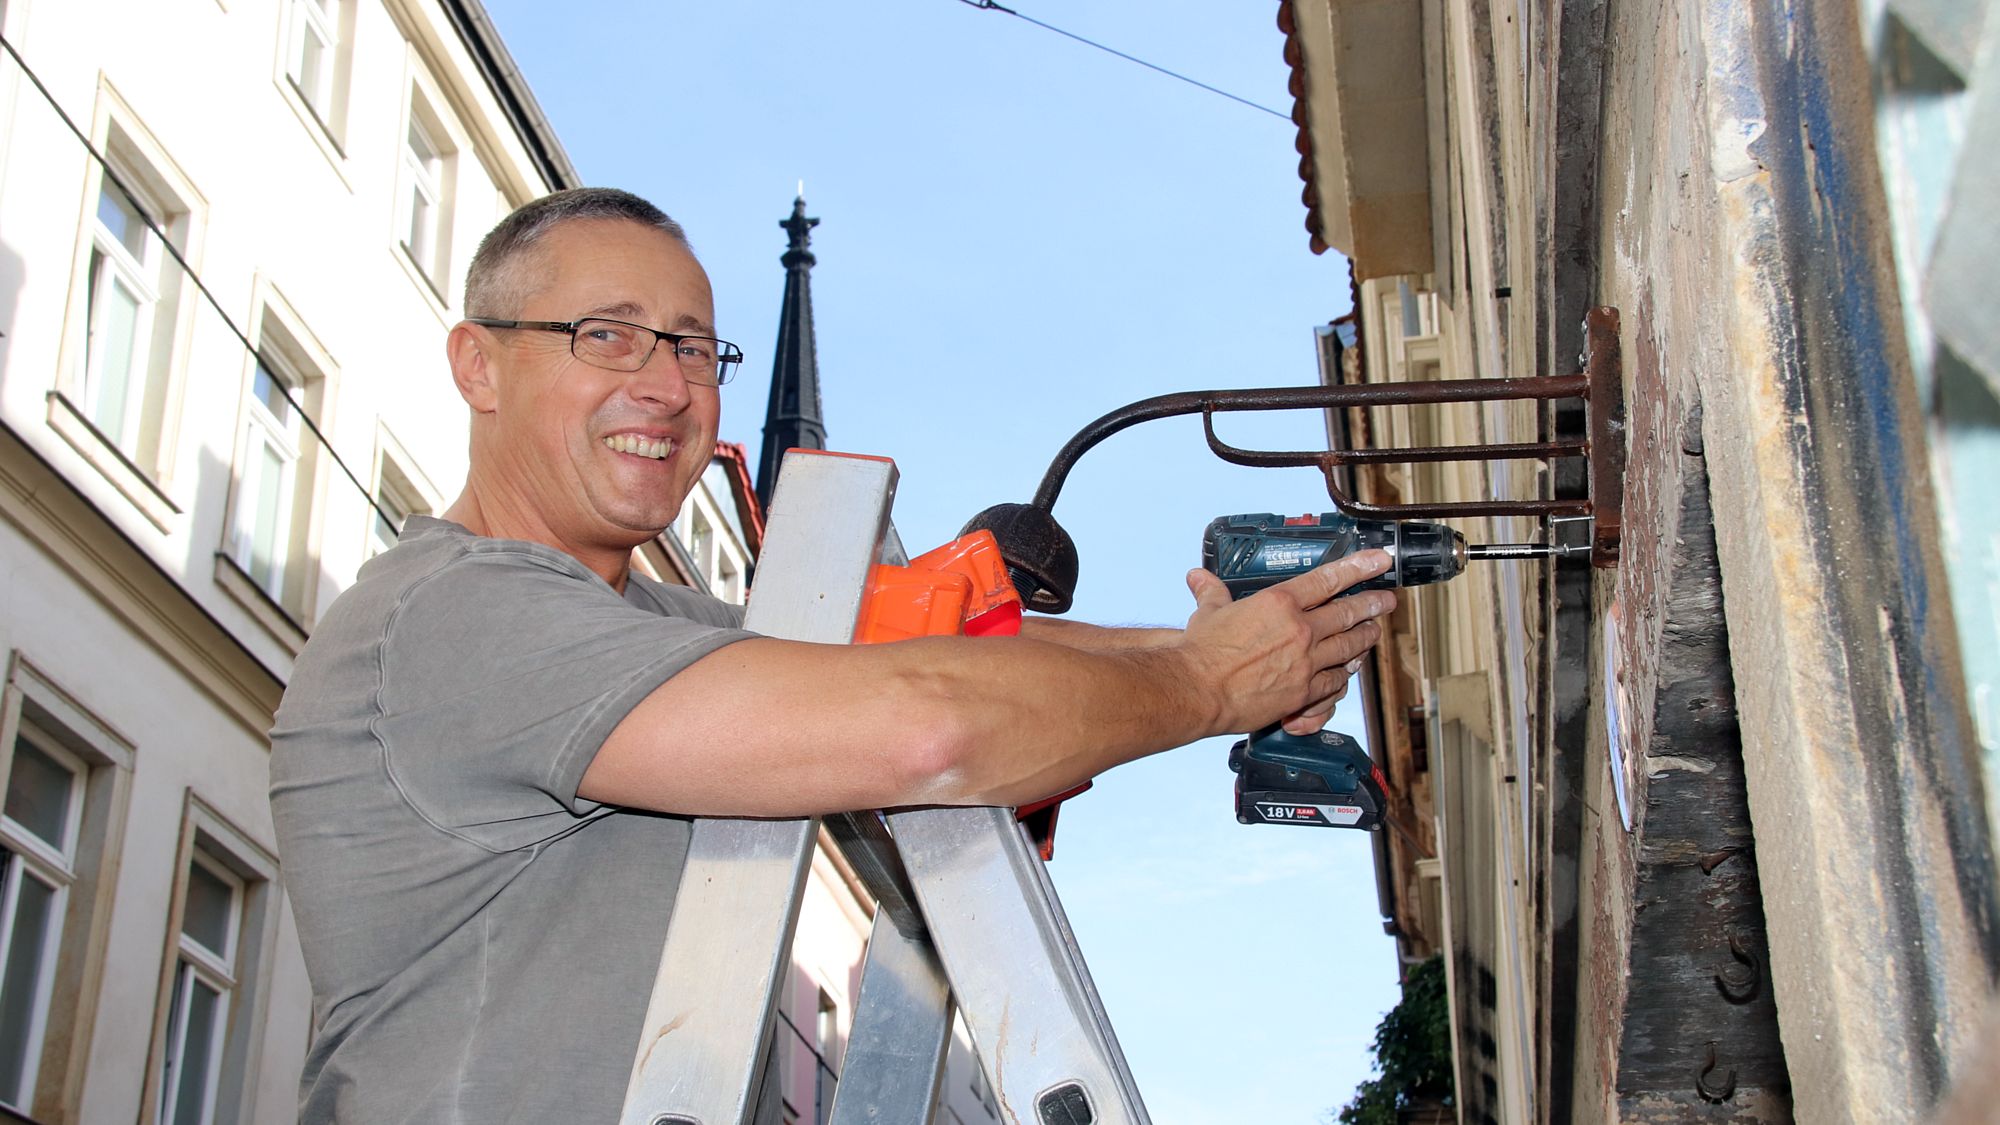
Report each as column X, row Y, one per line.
column 38, row 794
column 210, row 901
column 26, row 952
column 197, row 1053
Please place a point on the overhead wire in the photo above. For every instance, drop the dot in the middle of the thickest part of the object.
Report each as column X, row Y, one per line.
column 991, row 6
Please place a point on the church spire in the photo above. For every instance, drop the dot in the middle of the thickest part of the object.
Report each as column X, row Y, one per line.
column 792, row 420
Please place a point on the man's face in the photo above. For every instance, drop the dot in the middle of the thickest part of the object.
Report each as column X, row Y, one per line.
column 603, row 458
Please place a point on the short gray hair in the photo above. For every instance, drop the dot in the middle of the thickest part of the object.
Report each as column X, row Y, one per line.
column 497, row 283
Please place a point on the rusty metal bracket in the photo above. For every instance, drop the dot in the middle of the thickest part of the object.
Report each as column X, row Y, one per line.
column 1600, row 385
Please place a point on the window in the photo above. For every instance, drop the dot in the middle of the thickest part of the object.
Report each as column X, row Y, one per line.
column 38, row 847
column 269, row 526
column 263, row 540
column 729, row 579
column 826, row 1045
column 397, row 498
column 313, row 55
column 714, row 550
column 982, row 1089
column 211, row 1003
column 428, row 165
column 701, row 541
column 66, row 783
column 204, row 979
column 128, row 320
column 123, row 295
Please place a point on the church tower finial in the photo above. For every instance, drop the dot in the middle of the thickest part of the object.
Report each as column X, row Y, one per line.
column 793, row 418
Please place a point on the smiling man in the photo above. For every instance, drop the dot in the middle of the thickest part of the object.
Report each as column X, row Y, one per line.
column 484, row 766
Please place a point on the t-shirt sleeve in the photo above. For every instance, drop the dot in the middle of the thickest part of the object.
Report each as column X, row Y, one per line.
column 502, row 675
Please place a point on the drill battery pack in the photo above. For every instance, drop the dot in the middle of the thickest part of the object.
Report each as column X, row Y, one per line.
column 1323, row 780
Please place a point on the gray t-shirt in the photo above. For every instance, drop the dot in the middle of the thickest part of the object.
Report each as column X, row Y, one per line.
column 481, row 940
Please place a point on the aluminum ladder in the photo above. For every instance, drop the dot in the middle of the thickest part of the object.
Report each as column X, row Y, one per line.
column 967, row 915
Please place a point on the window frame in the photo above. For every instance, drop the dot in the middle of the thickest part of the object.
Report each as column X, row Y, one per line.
column 212, row 841
column 31, row 701
column 397, row 483
column 287, row 349
column 719, row 558
column 196, row 964
column 141, row 276
column 32, row 857
column 262, row 430
column 309, row 18
column 425, row 113
column 142, row 468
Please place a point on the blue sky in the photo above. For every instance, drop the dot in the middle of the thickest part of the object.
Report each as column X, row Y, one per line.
column 1020, row 233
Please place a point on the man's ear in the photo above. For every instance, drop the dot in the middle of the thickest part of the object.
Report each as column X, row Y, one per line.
column 472, row 368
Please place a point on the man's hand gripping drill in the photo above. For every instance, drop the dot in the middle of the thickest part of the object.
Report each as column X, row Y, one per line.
column 1285, row 655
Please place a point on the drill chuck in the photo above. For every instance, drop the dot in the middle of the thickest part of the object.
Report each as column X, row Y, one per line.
column 1253, row 551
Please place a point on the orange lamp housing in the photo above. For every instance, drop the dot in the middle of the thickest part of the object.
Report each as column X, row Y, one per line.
column 959, row 589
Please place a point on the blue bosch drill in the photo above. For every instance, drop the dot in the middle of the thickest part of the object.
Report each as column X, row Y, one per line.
column 1325, row 779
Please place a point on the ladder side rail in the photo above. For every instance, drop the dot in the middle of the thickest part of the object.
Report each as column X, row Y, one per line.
column 1020, row 982
column 728, row 941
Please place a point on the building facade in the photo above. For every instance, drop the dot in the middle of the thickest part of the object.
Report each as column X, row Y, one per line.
column 234, row 236
column 1705, row 833
column 232, row 239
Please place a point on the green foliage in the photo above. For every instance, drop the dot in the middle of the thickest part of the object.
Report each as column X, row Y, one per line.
column 1412, row 1052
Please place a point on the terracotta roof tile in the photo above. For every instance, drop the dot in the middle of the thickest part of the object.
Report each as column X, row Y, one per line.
column 1295, row 59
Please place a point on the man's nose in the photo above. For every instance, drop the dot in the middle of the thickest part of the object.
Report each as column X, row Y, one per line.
column 660, row 381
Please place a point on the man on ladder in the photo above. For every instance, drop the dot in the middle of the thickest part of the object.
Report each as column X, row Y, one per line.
column 485, row 765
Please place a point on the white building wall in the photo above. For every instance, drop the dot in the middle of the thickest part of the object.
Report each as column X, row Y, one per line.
column 113, row 600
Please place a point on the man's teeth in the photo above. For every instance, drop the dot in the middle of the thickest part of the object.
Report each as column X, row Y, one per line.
column 644, row 447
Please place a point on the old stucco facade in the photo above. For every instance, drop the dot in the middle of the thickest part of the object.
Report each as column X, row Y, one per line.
column 1703, row 834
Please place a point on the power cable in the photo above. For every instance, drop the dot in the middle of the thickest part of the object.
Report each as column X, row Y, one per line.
column 174, row 252
column 990, row 6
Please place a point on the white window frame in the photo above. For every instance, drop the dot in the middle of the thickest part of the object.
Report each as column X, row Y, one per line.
column 426, row 247
column 219, row 847
column 139, row 460
column 399, row 488
column 311, row 20
column 425, row 199
column 215, row 968
column 141, row 275
column 262, row 431
column 54, row 867
column 34, row 708
column 721, row 562
column 284, row 600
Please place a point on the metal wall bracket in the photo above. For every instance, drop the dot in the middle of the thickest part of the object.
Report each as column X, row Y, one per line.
column 1600, row 384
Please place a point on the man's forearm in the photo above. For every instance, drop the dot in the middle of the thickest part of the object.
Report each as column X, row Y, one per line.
column 941, row 720
column 1096, row 638
column 768, row 727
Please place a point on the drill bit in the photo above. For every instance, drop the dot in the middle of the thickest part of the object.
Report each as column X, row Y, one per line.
column 1523, row 550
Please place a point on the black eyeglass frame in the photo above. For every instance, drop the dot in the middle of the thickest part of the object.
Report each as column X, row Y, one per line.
column 728, row 357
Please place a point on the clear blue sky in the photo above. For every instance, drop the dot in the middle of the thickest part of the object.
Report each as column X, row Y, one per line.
column 1018, row 234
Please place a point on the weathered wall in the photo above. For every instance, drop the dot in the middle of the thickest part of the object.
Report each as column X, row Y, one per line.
column 1741, row 232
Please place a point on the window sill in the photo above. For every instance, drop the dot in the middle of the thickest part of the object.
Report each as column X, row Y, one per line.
column 422, row 281
column 136, row 485
column 276, row 619
column 316, row 128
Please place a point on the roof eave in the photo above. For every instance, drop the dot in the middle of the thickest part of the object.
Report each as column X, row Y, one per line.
column 1359, row 99
column 482, row 40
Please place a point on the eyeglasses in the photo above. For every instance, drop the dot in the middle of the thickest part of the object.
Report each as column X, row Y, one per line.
column 617, row 346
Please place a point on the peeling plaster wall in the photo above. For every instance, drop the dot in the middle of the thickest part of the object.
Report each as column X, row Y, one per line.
column 1741, row 228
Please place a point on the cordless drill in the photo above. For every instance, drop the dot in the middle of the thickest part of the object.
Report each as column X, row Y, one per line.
column 1324, row 779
